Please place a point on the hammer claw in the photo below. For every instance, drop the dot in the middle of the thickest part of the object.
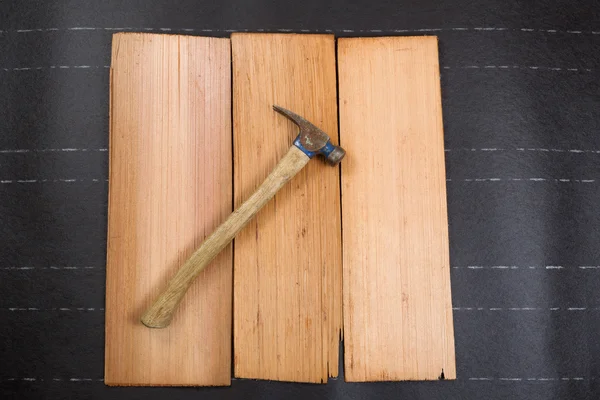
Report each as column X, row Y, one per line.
column 298, row 120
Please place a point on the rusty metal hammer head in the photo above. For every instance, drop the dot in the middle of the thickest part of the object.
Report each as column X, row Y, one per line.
column 312, row 140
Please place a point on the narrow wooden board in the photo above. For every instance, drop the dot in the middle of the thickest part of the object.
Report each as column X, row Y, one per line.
column 287, row 264
column 397, row 303
column 170, row 186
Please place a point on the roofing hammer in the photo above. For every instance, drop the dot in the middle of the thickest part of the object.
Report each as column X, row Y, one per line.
column 309, row 142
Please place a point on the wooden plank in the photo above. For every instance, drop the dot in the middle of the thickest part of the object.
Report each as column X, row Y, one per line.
column 287, row 279
column 170, row 186
column 397, row 303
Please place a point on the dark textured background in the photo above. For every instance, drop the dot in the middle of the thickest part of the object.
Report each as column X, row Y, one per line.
column 520, row 83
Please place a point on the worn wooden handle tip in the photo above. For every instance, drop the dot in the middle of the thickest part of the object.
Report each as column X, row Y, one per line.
column 157, row 318
column 159, row 315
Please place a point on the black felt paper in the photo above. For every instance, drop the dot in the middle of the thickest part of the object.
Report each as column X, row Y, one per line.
column 521, row 101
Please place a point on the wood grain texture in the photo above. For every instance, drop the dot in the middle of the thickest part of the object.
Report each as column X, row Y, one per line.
column 170, row 186
column 397, row 303
column 287, row 279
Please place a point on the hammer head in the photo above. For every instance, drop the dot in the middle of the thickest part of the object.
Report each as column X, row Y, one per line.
column 312, row 140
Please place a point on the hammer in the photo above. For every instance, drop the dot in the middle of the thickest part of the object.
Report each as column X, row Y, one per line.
column 309, row 142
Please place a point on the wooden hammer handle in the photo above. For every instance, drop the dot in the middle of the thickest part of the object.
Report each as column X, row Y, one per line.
column 159, row 315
